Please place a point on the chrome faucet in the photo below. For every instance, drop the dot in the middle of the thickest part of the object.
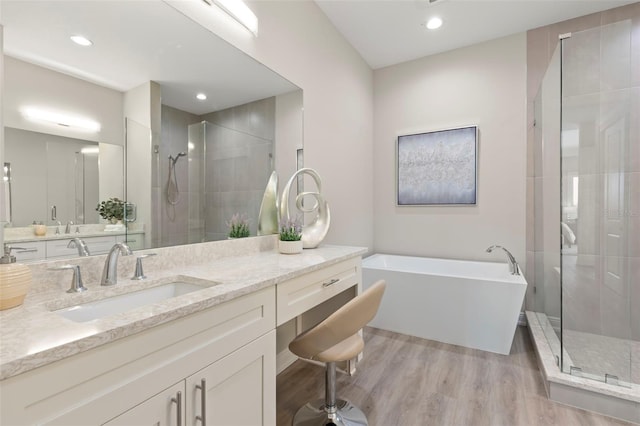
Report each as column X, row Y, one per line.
column 513, row 265
column 110, row 271
column 139, row 273
column 79, row 243
column 67, row 230
column 58, row 227
column 76, row 280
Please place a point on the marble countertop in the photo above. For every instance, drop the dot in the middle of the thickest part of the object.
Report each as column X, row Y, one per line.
column 32, row 335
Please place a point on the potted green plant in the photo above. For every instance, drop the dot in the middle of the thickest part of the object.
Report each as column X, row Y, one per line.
column 112, row 209
column 238, row 226
column 290, row 236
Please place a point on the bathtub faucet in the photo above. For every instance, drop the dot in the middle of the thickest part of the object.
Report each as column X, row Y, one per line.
column 513, row 265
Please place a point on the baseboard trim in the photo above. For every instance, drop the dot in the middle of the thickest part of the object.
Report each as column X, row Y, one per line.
column 554, row 321
column 284, row 359
column 522, row 319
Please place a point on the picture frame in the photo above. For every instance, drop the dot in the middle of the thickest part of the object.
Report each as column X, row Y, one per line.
column 438, row 168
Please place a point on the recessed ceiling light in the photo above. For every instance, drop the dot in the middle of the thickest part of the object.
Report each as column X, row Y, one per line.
column 81, row 40
column 201, row 96
column 434, row 23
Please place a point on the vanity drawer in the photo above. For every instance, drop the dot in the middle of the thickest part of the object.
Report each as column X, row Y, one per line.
column 96, row 245
column 36, row 251
column 303, row 293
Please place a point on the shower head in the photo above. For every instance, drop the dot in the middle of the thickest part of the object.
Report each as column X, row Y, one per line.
column 174, row 159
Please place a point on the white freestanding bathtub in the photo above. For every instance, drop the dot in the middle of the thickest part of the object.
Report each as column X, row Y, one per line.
column 466, row 303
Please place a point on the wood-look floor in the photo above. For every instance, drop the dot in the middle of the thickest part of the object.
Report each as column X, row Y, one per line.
column 409, row 381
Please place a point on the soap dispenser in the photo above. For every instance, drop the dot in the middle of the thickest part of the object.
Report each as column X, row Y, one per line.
column 15, row 280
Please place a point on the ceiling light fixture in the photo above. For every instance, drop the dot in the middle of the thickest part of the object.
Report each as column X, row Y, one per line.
column 201, row 96
column 434, row 23
column 80, row 123
column 239, row 11
column 81, row 40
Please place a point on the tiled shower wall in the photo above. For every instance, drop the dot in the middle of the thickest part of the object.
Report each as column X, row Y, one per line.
column 174, row 139
column 593, row 304
column 240, row 162
column 183, row 222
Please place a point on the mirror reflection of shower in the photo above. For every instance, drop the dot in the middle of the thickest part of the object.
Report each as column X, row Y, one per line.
column 173, row 191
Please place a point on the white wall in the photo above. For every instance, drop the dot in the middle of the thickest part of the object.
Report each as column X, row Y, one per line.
column 485, row 85
column 289, row 133
column 29, row 85
column 142, row 109
column 4, row 208
column 297, row 41
column 111, row 171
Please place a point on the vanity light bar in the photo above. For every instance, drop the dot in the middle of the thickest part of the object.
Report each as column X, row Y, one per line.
column 239, row 11
column 90, row 150
column 61, row 119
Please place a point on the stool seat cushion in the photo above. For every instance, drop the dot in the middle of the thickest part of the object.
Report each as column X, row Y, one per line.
column 345, row 350
column 338, row 334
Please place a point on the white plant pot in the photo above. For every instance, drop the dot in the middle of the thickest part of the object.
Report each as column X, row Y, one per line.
column 290, row 247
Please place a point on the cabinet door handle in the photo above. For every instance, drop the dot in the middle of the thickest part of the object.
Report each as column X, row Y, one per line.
column 178, row 401
column 54, row 214
column 203, row 401
column 331, row 282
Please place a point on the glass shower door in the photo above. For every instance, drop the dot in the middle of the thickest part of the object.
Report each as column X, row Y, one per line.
column 600, row 163
column 228, row 174
column 547, row 209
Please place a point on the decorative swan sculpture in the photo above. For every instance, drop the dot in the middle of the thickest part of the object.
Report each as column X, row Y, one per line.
column 314, row 232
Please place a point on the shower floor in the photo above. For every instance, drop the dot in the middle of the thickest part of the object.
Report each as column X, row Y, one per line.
column 621, row 401
column 600, row 355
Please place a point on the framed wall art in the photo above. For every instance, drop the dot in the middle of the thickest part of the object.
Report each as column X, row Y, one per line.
column 437, row 168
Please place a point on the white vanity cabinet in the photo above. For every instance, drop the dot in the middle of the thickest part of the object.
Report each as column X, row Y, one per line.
column 300, row 294
column 234, row 387
column 58, row 249
column 236, row 392
column 132, row 380
column 163, row 409
column 34, row 250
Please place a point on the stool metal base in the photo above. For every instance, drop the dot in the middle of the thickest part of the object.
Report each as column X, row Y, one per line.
column 314, row 414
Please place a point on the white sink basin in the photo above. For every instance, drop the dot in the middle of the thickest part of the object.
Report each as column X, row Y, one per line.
column 126, row 302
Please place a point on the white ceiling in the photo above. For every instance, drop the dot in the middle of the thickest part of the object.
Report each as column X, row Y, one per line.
column 136, row 42
column 387, row 32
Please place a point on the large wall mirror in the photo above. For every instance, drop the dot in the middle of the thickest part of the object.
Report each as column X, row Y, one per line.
column 122, row 117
